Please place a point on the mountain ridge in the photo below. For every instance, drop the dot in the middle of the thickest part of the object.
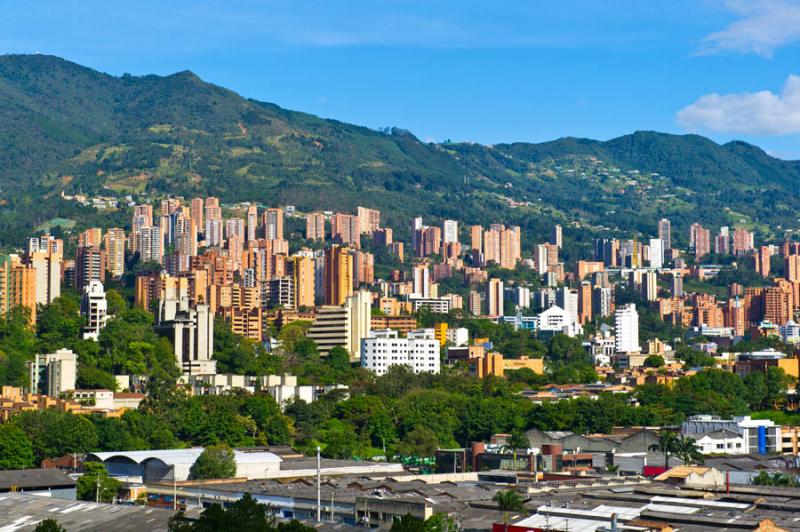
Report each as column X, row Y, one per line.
column 69, row 127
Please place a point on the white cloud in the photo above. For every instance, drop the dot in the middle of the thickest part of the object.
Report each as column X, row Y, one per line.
column 765, row 25
column 755, row 113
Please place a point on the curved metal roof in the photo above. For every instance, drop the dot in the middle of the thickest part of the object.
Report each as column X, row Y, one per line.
column 186, row 457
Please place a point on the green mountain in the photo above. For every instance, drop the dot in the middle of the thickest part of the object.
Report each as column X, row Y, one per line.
column 64, row 127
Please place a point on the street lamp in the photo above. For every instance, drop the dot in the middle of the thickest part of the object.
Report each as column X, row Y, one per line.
column 319, row 482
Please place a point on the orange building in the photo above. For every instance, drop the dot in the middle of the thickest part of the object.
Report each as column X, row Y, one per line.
column 17, row 286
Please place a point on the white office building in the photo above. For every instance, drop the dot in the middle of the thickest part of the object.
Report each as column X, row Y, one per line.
column 790, row 332
column 626, row 324
column 556, row 320
column 656, row 253
column 191, row 331
column 759, row 436
column 383, row 349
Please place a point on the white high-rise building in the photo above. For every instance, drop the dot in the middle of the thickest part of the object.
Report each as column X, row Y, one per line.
column 567, row 299
column 94, row 308
column 191, row 330
column 450, row 233
column 150, row 244
column 541, row 259
column 383, row 349
column 213, row 232
column 422, row 281
column 626, row 322
column 656, row 253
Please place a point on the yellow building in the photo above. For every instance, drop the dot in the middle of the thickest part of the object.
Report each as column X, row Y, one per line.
column 303, row 279
column 338, row 275
column 440, row 332
column 495, row 364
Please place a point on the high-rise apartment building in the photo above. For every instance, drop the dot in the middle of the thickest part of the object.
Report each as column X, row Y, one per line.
column 191, row 330
column 557, row 236
column 494, row 297
column 743, row 241
column 315, row 226
column 649, row 286
column 702, row 241
column 450, row 231
column 369, row 220
column 46, row 256
column 665, row 233
column 626, row 333
column 338, row 275
column 150, row 244
column 476, row 238
column 235, row 227
column 677, row 284
column 252, row 222
column 17, row 286
column 197, row 213
column 91, row 237
column 762, row 261
column 115, row 251
column 94, row 307
column 346, row 228
column 363, row 268
column 722, row 242
column 302, row 271
column 474, row 303
column 273, row 224
column 567, row 299
column 656, row 253
column 422, row 281
column 213, row 211
column 90, row 264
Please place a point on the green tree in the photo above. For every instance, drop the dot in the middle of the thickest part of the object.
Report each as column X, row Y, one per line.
column 54, row 433
column 686, row 449
column 408, row 523
column 419, row 442
column 49, row 525
column 216, row 461
column 667, row 444
column 440, row 522
column 339, row 440
column 339, row 360
column 508, row 501
column 16, row 449
column 95, row 484
column 654, row 361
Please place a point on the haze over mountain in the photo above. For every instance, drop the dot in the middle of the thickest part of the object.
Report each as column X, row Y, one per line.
column 64, row 127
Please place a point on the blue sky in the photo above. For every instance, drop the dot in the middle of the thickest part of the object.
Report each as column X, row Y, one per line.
column 462, row 70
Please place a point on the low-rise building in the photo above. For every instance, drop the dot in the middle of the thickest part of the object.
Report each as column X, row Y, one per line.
column 419, row 350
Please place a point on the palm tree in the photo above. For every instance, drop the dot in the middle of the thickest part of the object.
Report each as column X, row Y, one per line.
column 516, row 441
column 667, row 444
column 508, row 501
column 686, row 449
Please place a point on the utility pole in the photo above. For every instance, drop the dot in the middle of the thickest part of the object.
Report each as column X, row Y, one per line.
column 97, row 491
column 174, row 492
column 319, row 487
